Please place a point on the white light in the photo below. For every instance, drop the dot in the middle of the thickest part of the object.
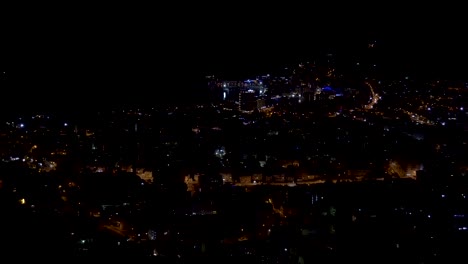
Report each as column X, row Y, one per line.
column 21, row 125
column 65, row 124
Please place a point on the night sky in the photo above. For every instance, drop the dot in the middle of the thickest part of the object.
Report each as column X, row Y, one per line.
column 74, row 59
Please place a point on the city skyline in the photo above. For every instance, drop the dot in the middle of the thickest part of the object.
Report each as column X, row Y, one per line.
column 98, row 60
column 306, row 134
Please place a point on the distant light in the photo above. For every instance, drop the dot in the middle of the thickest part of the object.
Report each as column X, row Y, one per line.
column 21, row 125
column 461, row 108
column 22, row 201
column 65, row 124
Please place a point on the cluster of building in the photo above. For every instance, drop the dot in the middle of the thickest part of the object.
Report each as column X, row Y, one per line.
column 275, row 169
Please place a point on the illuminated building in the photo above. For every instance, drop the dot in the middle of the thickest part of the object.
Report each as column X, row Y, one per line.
column 230, row 90
column 247, row 100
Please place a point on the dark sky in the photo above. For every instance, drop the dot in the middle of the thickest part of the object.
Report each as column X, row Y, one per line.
column 101, row 56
